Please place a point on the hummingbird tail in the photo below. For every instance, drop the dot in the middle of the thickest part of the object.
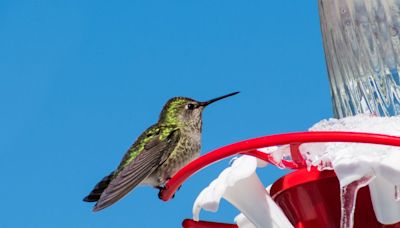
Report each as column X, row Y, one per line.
column 95, row 194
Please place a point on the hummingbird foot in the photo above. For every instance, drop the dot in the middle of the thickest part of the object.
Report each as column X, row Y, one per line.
column 161, row 188
column 160, row 193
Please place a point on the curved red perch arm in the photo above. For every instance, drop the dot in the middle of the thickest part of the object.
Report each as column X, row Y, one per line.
column 250, row 147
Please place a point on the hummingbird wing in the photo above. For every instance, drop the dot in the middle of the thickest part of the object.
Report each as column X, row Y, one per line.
column 154, row 153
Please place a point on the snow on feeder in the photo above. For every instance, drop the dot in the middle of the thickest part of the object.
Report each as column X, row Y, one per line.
column 348, row 170
column 319, row 211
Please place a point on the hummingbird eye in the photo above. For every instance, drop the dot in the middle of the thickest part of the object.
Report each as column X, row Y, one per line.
column 190, row 106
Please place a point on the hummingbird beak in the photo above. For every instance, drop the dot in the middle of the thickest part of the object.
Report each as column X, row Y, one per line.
column 205, row 103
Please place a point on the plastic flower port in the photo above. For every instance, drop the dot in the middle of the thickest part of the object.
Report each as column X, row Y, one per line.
column 240, row 185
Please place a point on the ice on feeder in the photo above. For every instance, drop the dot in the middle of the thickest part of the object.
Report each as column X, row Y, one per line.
column 348, row 194
column 278, row 154
column 353, row 163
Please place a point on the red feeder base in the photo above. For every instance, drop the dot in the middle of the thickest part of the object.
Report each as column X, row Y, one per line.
column 312, row 199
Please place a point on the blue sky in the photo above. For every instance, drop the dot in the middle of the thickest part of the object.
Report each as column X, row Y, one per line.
column 80, row 80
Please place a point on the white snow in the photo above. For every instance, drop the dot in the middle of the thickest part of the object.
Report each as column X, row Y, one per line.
column 355, row 164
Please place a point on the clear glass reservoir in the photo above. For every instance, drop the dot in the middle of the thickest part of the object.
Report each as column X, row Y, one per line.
column 362, row 45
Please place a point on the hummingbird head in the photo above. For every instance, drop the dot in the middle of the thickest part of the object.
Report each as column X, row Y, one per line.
column 185, row 111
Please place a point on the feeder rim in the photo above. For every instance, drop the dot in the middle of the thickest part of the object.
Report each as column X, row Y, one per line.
column 251, row 146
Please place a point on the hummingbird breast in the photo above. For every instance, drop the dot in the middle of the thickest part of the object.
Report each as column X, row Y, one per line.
column 187, row 149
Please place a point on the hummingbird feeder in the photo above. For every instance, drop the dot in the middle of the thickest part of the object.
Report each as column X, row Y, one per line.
column 308, row 198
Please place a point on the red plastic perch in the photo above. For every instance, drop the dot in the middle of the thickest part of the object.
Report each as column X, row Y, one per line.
column 250, row 147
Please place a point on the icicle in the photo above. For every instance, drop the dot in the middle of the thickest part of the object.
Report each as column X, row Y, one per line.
column 277, row 154
column 348, row 195
column 397, row 193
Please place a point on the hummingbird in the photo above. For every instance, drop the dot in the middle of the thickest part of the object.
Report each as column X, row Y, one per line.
column 158, row 153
